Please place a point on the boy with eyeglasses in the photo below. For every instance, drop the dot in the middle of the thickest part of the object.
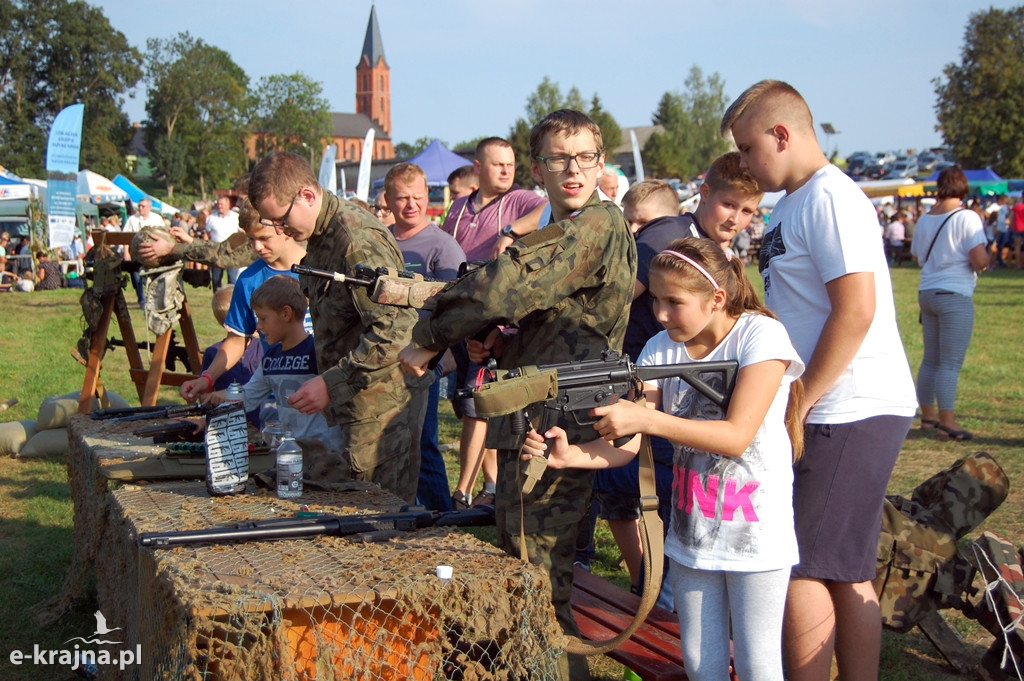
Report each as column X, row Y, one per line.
column 277, row 253
column 568, row 286
column 360, row 387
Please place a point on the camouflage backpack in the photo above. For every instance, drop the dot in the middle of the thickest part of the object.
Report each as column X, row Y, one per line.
column 919, row 569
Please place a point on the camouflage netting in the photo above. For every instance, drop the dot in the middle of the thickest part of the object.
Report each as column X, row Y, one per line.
column 323, row 607
column 314, row 608
column 91, row 445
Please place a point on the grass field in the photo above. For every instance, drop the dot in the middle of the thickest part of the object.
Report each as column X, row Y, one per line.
column 38, row 331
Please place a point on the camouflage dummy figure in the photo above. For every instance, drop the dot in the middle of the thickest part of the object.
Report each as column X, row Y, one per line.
column 568, row 286
column 361, row 386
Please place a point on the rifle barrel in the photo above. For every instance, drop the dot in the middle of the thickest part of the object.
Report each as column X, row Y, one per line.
column 327, row 274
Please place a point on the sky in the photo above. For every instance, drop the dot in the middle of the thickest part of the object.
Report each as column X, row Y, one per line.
column 462, row 69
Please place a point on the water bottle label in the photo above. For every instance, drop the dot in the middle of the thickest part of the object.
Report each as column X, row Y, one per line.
column 227, row 450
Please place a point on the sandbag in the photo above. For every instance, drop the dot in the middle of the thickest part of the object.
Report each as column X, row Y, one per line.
column 46, row 442
column 14, row 435
column 55, row 411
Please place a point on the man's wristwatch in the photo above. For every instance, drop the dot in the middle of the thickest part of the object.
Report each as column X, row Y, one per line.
column 507, row 231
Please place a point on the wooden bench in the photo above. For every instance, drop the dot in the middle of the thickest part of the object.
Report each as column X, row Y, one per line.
column 602, row 610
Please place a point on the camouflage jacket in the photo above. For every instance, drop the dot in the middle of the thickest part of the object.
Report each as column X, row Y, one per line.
column 357, row 340
column 235, row 251
column 567, row 286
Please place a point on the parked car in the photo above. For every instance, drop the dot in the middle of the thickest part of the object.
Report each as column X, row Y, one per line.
column 876, row 169
column 927, row 161
column 885, row 157
column 903, row 169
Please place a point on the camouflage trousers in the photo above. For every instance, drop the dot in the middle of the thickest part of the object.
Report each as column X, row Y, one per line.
column 383, row 449
column 550, row 516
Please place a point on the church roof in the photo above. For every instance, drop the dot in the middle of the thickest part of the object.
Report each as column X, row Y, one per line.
column 355, row 125
column 373, row 46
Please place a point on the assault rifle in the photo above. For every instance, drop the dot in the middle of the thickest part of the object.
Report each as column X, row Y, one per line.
column 577, row 387
column 382, row 525
column 574, row 388
column 387, row 286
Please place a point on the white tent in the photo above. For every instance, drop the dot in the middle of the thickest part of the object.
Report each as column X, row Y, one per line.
column 95, row 188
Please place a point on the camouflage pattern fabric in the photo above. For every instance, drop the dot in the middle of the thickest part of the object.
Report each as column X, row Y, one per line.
column 379, row 409
column 164, row 297
column 235, row 251
column 568, row 287
column 1000, row 609
column 919, row 569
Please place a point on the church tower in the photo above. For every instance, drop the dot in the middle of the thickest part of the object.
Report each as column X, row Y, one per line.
column 373, row 78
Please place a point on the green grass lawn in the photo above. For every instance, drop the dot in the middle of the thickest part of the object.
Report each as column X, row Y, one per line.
column 38, row 331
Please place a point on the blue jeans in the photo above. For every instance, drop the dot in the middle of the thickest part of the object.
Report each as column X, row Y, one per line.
column 432, row 490
column 947, row 321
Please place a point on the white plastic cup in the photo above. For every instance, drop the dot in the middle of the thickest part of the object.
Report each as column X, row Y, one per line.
column 443, row 571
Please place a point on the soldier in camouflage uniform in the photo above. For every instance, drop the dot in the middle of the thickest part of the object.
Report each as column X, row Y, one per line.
column 568, row 287
column 361, row 387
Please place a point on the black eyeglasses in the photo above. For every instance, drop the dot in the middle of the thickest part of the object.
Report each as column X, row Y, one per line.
column 556, row 164
column 279, row 225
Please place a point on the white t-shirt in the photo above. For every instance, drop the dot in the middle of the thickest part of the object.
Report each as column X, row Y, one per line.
column 731, row 513
column 135, row 222
column 948, row 266
column 824, row 230
column 220, row 227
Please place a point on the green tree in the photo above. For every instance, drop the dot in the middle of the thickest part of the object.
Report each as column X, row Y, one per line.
column 54, row 53
column 991, row 70
column 198, row 99
column 407, row 150
column 289, row 113
column 611, row 133
column 546, row 98
column 690, row 140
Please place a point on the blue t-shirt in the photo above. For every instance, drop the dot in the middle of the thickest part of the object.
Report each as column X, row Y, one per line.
column 240, row 318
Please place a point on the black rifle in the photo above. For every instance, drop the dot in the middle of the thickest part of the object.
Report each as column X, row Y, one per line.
column 143, row 413
column 176, row 354
column 409, row 518
column 577, row 387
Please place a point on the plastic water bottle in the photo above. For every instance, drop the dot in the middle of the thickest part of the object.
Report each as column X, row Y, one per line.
column 289, row 467
column 234, row 393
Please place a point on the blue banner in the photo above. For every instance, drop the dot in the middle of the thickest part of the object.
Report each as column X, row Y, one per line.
column 62, row 154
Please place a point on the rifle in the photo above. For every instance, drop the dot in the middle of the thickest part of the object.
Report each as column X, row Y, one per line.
column 381, row 525
column 387, row 286
column 142, row 413
column 175, row 353
column 577, row 387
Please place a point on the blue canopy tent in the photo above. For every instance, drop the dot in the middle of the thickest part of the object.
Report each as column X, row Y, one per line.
column 437, row 162
column 136, row 194
column 984, row 181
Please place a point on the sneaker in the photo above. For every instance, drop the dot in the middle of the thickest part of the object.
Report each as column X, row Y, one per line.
column 484, row 499
column 460, row 500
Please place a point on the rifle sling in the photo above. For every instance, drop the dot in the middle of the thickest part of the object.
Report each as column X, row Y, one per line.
column 652, row 539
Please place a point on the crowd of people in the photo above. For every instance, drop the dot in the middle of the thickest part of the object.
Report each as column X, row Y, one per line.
column 771, row 503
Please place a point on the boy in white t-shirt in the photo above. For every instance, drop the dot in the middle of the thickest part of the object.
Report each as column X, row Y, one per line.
column 826, row 278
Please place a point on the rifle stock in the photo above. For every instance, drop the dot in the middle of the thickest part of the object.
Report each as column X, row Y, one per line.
column 409, row 518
